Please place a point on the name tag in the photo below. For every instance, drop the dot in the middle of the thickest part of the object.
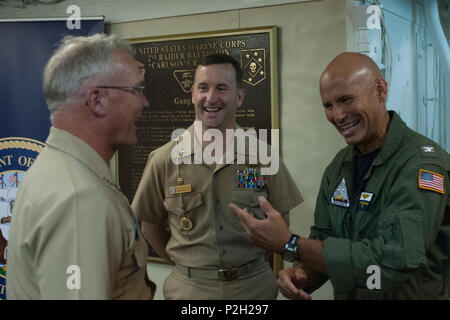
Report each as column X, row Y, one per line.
column 184, row 188
column 364, row 200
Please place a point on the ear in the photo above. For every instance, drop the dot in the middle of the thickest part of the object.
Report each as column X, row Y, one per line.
column 192, row 94
column 381, row 88
column 240, row 97
column 94, row 100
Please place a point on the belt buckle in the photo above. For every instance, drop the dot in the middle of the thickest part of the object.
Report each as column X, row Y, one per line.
column 228, row 274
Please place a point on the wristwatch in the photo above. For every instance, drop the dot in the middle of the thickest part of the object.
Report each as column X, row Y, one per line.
column 290, row 250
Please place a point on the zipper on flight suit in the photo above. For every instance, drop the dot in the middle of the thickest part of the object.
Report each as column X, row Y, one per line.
column 360, row 189
column 347, row 170
column 348, row 174
column 353, row 211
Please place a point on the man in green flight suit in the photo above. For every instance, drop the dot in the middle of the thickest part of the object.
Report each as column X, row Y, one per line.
column 381, row 224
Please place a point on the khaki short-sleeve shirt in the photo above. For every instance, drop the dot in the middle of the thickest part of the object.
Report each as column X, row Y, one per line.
column 205, row 233
column 73, row 233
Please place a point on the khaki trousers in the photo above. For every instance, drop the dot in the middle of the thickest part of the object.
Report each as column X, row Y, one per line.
column 260, row 285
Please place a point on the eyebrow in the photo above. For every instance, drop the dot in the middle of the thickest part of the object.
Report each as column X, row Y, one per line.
column 346, row 96
column 326, row 104
column 218, row 85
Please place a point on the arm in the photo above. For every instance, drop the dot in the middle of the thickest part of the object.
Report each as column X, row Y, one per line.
column 406, row 230
column 403, row 238
column 273, row 234
column 158, row 237
column 148, row 205
column 286, row 218
column 78, row 248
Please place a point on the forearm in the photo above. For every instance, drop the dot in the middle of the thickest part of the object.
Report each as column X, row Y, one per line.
column 158, row 237
column 286, row 218
column 314, row 278
column 311, row 255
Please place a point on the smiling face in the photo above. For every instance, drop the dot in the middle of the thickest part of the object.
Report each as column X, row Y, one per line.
column 354, row 101
column 216, row 96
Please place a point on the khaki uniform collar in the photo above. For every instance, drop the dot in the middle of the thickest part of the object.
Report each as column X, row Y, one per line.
column 77, row 148
column 190, row 134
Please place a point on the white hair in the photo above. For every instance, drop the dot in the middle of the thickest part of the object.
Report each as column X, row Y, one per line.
column 76, row 60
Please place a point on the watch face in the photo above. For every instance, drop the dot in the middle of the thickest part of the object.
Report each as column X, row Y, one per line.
column 289, row 252
column 288, row 256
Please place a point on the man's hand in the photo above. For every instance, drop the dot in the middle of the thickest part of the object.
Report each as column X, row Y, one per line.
column 291, row 281
column 271, row 233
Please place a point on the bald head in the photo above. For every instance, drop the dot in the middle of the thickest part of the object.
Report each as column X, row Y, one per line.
column 354, row 95
column 352, row 66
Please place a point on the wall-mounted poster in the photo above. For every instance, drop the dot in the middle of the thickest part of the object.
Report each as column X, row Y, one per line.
column 169, row 63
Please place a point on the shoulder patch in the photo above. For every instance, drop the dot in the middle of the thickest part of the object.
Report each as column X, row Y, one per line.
column 430, row 180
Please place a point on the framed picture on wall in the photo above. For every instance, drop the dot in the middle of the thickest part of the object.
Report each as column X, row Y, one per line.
column 168, row 64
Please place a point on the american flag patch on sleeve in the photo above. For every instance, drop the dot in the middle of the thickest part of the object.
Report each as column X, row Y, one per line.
column 431, row 181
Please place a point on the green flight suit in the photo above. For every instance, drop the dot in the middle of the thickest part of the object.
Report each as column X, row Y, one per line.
column 390, row 221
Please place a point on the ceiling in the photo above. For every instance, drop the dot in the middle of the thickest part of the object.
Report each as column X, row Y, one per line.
column 121, row 11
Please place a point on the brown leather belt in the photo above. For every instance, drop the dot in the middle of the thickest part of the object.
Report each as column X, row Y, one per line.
column 222, row 274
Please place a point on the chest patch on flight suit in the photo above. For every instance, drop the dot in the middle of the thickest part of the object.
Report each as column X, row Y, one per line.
column 250, row 178
column 430, row 180
column 340, row 196
column 364, row 200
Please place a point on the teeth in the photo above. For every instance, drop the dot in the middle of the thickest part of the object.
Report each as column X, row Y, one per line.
column 212, row 109
column 349, row 126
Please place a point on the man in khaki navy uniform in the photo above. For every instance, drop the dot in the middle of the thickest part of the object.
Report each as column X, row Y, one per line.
column 212, row 254
column 382, row 219
column 73, row 234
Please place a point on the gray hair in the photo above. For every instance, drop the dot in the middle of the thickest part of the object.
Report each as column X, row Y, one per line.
column 76, row 60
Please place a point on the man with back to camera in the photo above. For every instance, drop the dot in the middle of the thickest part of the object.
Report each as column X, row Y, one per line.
column 212, row 254
column 383, row 201
column 74, row 234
